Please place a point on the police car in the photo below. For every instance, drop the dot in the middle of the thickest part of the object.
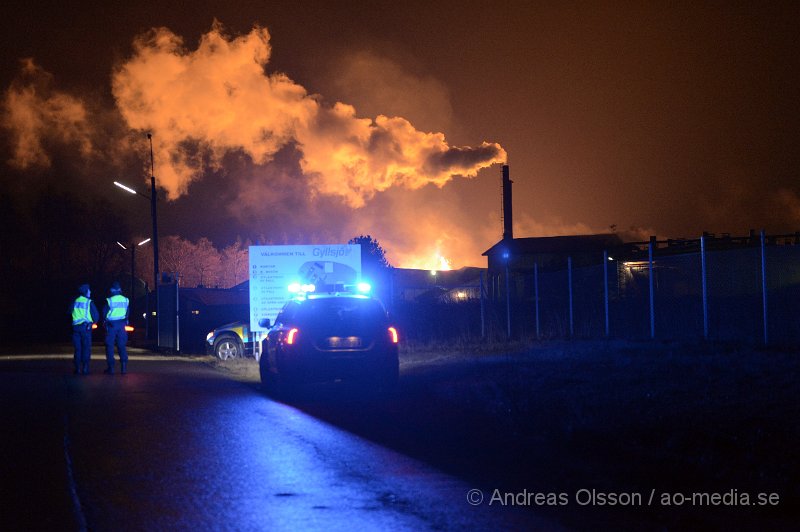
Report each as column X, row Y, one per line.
column 328, row 337
column 233, row 340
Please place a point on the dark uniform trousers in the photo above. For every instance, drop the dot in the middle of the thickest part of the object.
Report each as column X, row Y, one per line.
column 116, row 335
column 82, row 340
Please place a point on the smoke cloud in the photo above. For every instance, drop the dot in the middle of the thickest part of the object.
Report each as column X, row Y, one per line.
column 201, row 104
column 35, row 114
column 378, row 85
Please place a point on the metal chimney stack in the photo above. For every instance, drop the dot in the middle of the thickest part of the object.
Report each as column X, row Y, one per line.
column 508, row 215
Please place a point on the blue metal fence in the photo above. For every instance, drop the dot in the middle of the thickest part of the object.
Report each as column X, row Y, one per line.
column 745, row 294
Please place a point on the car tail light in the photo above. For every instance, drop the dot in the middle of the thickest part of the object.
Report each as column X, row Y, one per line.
column 291, row 336
column 129, row 328
column 393, row 335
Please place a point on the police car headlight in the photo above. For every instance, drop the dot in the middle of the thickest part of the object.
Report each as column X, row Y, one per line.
column 209, row 336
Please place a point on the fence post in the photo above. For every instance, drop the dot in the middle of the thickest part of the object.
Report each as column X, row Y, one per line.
column 508, row 303
column 390, row 275
column 652, row 290
column 483, row 312
column 705, row 285
column 569, row 281
column 764, row 286
column 605, row 289
column 536, row 296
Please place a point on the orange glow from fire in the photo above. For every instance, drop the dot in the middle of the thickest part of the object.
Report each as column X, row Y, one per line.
column 433, row 262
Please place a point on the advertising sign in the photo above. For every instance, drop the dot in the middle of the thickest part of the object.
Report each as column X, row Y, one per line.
column 274, row 268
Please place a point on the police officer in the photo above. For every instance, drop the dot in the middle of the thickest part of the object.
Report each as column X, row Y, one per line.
column 115, row 313
column 84, row 315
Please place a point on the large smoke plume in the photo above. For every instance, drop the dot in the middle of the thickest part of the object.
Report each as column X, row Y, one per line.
column 219, row 98
column 279, row 151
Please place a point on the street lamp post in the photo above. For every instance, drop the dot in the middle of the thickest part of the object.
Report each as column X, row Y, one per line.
column 153, row 214
column 133, row 270
column 155, row 224
column 507, row 259
column 155, row 217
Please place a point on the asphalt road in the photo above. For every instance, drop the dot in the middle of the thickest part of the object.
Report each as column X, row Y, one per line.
column 176, row 444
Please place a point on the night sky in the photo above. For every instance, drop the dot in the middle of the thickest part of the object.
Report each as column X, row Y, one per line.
column 295, row 122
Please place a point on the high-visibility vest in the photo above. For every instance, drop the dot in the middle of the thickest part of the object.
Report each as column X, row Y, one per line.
column 82, row 310
column 117, row 308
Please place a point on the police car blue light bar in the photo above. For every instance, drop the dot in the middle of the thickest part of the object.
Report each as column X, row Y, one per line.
column 363, row 287
column 297, row 288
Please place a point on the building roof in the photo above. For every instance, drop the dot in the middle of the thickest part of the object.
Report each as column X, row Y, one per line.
column 556, row 244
